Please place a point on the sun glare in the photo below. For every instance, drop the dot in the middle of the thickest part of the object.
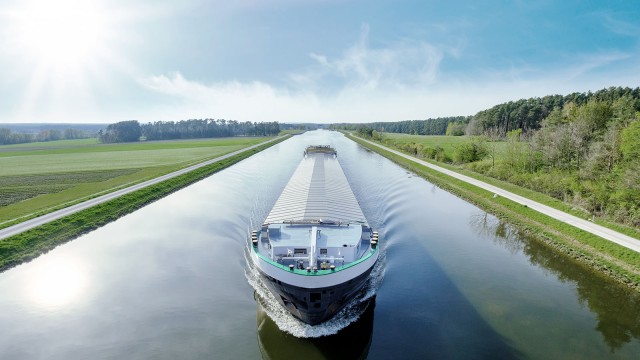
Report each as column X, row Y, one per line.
column 61, row 33
column 64, row 51
column 57, row 283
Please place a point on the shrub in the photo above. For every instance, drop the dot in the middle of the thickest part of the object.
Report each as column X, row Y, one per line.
column 428, row 153
column 470, row 151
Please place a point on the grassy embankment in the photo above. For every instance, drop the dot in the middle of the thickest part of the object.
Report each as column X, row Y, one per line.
column 292, row 132
column 30, row 244
column 37, row 178
column 610, row 259
column 450, row 143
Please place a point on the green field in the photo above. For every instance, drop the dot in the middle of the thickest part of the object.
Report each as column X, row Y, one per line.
column 447, row 143
column 40, row 177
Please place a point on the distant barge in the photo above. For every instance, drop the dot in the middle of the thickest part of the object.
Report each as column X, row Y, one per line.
column 315, row 248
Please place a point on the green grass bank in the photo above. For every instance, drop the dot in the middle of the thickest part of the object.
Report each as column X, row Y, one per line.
column 603, row 257
column 35, row 242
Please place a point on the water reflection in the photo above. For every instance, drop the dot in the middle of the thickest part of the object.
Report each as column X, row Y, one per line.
column 352, row 342
column 617, row 308
column 56, row 282
column 500, row 232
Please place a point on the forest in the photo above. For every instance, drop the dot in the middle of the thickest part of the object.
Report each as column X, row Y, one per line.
column 528, row 114
column 437, row 126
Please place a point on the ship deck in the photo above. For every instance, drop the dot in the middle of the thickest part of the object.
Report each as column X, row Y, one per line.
column 318, row 190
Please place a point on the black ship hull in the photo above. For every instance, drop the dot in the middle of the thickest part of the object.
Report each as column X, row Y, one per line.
column 314, row 306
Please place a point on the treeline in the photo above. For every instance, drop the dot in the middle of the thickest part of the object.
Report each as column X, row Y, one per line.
column 7, row 136
column 524, row 114
column 189, row 129
column 127, row 131
column 436, row 126
column 527, row 114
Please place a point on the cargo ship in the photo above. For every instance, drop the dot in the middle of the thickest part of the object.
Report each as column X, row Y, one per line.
column 315, row 250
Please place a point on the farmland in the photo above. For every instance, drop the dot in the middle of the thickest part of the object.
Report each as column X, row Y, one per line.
column 39, row 177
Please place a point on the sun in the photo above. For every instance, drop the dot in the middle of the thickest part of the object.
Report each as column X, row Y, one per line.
column 64, row 53
column 61, row 34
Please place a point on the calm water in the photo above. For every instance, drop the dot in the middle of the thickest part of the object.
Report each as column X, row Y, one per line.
column 169, row 282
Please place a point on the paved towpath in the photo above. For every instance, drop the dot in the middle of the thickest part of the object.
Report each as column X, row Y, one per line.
column 43, row 219
column 586, row 225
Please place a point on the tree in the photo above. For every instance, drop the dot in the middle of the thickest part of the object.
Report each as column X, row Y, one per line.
column 471, row 151
column 376, row 135
column 72, row 134
column 365, row 131
column 455, row 129
column 9, row 137
column 595, row 114
column 493, row 136
column 514, row 148
column 123, row 131
column 624, row 110
column 5, row 136
column 556, row 117
column 49, row 135
column 630, row 142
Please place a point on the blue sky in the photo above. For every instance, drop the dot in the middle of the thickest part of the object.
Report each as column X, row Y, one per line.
column 299, row 61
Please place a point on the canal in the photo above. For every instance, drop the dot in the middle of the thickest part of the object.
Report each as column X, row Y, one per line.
column 171, row 281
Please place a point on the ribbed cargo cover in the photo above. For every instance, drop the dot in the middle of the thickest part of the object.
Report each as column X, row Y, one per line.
column 317, row 190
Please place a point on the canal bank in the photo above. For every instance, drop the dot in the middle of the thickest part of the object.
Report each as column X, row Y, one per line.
column 32, row 238
column 605, row 257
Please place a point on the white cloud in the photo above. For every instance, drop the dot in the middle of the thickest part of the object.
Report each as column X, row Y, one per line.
column 233, row 100
column 405, row 63
column 620, row 27
column 395, row 82
column 585, row 64
column 258, row 101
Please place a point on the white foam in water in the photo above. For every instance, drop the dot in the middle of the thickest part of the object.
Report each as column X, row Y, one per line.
column 287, row 323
